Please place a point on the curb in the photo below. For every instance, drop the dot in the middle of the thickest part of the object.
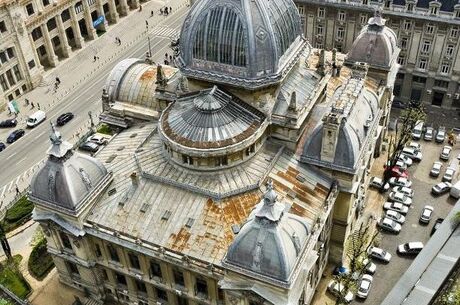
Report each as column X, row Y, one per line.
column 21, row 229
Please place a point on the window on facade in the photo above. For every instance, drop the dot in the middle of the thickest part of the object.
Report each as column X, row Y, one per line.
column 201, row 286
column 404, row 43
column 340, row 32
column 155, row 269
column 178, row 277
column 10, row 52
column 450, row 50
column 221, row 161
column 113, row 253
column 3, row 57
column 441, row 83
column 365, row 2
column 319, row 29
column 134, row 261
column 407, row 25
column 187, row 159
column 91, row 2
column 17, row 73
column 98, row 250
column 51, row 24
column 41, row 50
column 45, row 2
column 419, row 79
column 65, row 15
column 400, row 76
column 387, row 3
column 141, row 286
column 78, row 7
column 434, row 10
column 445, row 68
column 3, row 83
column 30, row 9
column 341, row 16
column 401, row 60
column 422, row 63
column 301, row 10
column 65, row 240
column 429, row 29
column 73, row 268
column 453, row 32
column 410, row 7
column 321, row 12
column 162, row 295
column 426, row 46
column 181, row 301
column 2, row 27
column 457, row 13
column 105, row 276
column 319, row 45
column 120, row 278
column 363, row 19
column 36, row 33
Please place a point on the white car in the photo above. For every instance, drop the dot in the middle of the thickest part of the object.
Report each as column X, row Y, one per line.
column 426, row 214
column 98, row 139
column 412, row 153
column 379, row 254
column 377, row 183
column 400, row 197
column 400, row 181
column 389, row 225
column 390, row 214
column 436, row 169
column 428, row 134
column 400, row 163
column 449, row 174
column 408, row 161
column 337, row 289
column 441, row 188
column 369, row 266
column 415, row 145
column 396, row 206
column 441, row 135
column 405, row 190
column 413, row 248
column 364, row 286
column 445, row 153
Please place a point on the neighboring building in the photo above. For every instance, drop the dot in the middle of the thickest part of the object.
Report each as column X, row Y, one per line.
column 36, row 34
column 231, row 173
column 428, row 35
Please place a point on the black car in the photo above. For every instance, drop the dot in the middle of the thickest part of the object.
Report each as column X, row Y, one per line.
column 398, row 104
column 2, row 146
column 436, row 225
column 15, row 135
column 64, row 118
column 9, row 123
column 89, row 146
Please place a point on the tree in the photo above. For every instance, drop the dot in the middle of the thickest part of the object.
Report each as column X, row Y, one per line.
column 4, row 242
column 358, row 245
column 407, row 121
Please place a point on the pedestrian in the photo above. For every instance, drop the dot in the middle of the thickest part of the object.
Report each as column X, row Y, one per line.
column 170, row 10
column 166, row 62
column 32, row 104
column 27, row 102
column 38, row 106
column 161, row 11
column 140, row 8
column 119, row 41
column 166, row 55
column 17, row 190
column 166, row 11
column 170, row 58
column 146, row 24
column 58, row 81
column 95, row 58
column 151, row 14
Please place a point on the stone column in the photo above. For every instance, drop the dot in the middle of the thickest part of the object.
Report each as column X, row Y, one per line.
column 88, row 20
column 63, row 37
column 49, row 46
column 114, row 17
column 36, row 56
column 135, row 4
column 124, row 8
column 76, row 27
column 100, row 11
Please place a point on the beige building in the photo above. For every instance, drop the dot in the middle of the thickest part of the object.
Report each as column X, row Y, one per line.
column 427, row 32
column 36, row 34
column 234, row 177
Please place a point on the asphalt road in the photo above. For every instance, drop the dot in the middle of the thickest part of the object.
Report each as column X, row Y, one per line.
column 388, row 274
column 31, row 148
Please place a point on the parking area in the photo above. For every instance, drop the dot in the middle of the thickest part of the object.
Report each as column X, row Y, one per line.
column 387, row 274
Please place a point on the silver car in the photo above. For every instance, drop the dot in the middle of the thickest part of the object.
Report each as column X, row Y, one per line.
column 441, row 135
column 389, row 225
column 364, row 286
column 445, row 153
column 441, row 188
column 428, row 134
column 337, row 289
column 400, row 197
column 400, row 181
column 396, row 206
column 449, row 174
column 426, row 214
column 405, row 190
column 379, row 254
column 399, row 218
column 436, row 169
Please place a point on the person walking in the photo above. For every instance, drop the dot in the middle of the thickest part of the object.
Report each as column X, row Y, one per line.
column 32, row 104
column 161, row 11
column 17, row 190
column 27, row 102
column 140, row 8
column 38, row 106
column 151, row 13
column 95, row 58
column 146, row 24
column 170, row 10
column 58, row 81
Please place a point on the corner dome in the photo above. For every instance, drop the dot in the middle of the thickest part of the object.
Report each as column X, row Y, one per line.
column 270, row 243
column 66, row 178
column 375, row 45
column 246, row 43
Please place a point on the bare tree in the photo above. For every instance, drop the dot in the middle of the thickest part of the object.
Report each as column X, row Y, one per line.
column 358, row 245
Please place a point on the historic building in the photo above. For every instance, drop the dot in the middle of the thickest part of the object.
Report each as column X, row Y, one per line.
column 428, row 35
column 36, row 34
column 235, row 177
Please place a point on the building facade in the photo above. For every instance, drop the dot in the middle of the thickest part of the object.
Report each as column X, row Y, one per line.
column 35, row 35
column 230, row 182
column 428, row 35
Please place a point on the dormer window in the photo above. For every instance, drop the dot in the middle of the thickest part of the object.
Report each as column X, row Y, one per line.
column 387, row 3
column 434, row 7
column 410, row 7
column 365, row 2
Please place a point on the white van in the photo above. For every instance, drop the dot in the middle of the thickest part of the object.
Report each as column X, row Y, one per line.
column 36, row 118
column 455, row 190
column 418, row 129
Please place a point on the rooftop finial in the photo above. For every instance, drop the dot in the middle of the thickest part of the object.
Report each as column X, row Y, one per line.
column 377, row 19
column 270, row 195
column 271, row 208
column 55, row 136
column 58, row 147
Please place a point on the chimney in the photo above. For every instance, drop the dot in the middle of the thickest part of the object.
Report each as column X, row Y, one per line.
column 320, row 67
column 331, row 129
column 134, row 179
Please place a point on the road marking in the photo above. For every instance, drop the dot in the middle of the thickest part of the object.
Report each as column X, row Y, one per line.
column 10, row 156
column 414, row 225
column 9, row 188
column 3, row 192
column 22, row 160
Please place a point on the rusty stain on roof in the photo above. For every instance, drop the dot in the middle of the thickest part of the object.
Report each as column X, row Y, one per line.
column 149, row 75
column 179, row 241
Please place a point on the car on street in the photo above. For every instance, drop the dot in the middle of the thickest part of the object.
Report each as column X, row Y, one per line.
column 436, row 169
column 2, row 146
column 89, row 146
column 377, row 183
column 449, row 174
column 8, row 123
column 369, row 266
column 441, row 188
column 445, row 153
column 405, row 190
column 427, row 213
column 98, row 139
column 400, row 197
column 379, row 254
column 436, row 225
column 412, row 248
column 418, row 129
column 64, row 118
column 415, row 145
column 364, row 286
column 397, row 171
column 389, row 225
column 413, row 153
column 396, row 206
column 338, row 289
column 400, row 181
column 428, row 134
column 440, row 135
column 408, row 161
column 15, row 135
column 393, row 215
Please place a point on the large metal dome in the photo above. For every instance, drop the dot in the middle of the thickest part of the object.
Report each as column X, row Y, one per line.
column 244, row 43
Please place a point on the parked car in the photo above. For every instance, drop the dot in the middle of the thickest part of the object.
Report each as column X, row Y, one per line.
column 405, row 190
column 445, row 153
column 378, row 183
column 436, row 225
column 36, row 118
column 390, row 225
column 436, row 169
column 401, row 181
column 64, row 118
column 9, row 123
column 412, row 248
column 441, row 135
column 369, row 266
column 337, row 289
column 393, row 215
column 400, row 197
column 398, row 104
column 417, row 131
column 2, row 146
column 396, row 206
column 412, row 153
column 449, row 174
column 408, row 161
column 428, row 134
column 89, row 146
column 441, row 188
column 364, row 286
column 455, row 190
column 401, row 164
column 426, row 214
column 415, row 145
column 98, row 139
column 15, row 135
column 397, row 171
column 379, row 254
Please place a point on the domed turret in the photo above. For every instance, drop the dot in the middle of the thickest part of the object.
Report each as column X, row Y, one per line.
column 245, row 43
